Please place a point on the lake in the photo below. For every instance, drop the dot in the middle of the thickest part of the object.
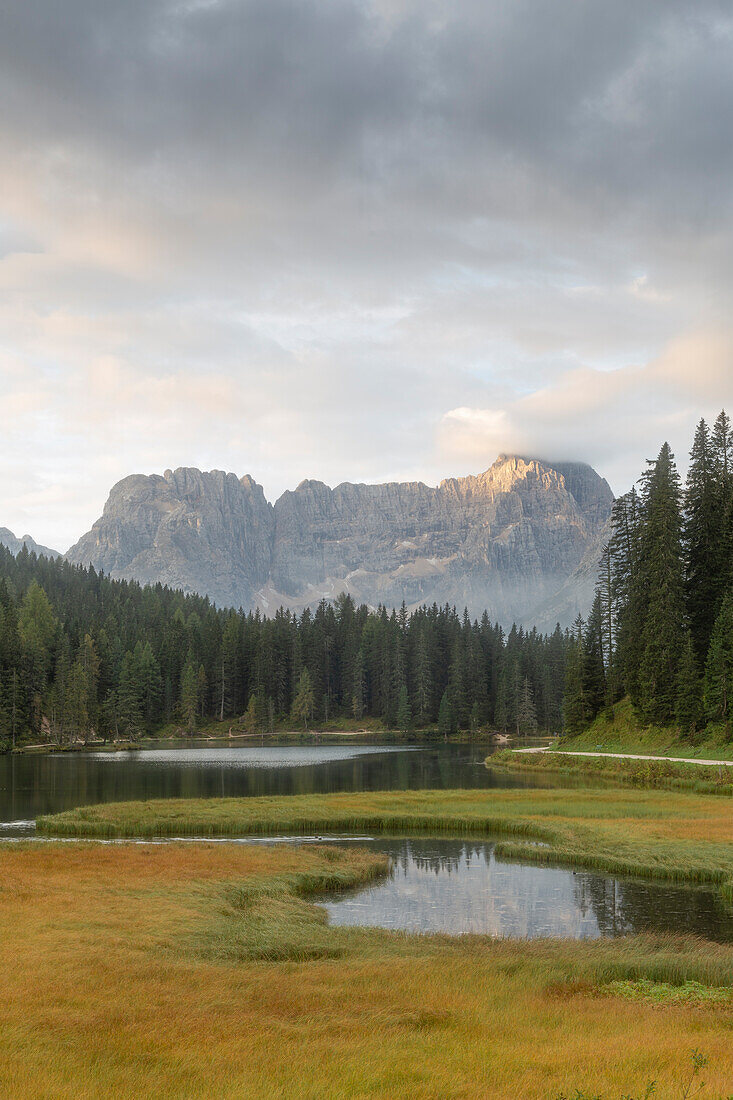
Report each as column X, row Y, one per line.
column 32, row 784
column 436, row 885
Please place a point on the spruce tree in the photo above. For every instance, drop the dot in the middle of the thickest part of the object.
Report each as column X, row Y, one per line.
column 703, row 537
column 663, row 631
column 722, row 446
column 575, row 708
column 404, row 714
column 689, row 704
column 594, row 672
column 526, row 713
column 446, row 716
column 189, row 695
column 304, row 699
column 719, row 667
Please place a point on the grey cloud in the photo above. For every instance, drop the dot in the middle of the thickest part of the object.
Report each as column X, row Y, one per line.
column 346, row 218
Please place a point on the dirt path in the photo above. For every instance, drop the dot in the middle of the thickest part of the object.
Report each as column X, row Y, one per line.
column 630, row 756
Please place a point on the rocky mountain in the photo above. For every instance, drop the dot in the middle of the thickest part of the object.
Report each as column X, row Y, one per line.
column 15, row 545
column 507, row 540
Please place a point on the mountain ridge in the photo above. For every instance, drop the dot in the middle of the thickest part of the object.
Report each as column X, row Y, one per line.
column 15, row 544
column 505, row 540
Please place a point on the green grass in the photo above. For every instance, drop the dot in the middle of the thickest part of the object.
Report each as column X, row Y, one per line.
column 663, row 993
column 621, row 731
column 703, row 778
column 685, row 838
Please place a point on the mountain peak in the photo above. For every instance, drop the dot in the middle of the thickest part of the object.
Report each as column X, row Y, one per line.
column 505, row 540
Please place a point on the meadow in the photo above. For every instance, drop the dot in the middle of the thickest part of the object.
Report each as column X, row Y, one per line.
column 205, row 970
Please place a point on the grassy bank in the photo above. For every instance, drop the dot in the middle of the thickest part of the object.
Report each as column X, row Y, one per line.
column 205, row 971
column 638, row 773
column 656, row 834
column 621, row 731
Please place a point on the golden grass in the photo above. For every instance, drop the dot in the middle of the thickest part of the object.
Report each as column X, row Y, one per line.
column 680, row 837
column 118, row 979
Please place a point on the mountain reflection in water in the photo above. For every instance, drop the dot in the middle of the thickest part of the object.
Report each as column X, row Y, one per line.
column 458, row 886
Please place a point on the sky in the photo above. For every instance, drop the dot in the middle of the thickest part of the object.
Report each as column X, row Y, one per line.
column 356, row 240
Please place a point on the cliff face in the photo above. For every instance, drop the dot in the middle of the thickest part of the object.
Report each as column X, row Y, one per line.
column 507, row 540
column 202, row 532
column 15, row 545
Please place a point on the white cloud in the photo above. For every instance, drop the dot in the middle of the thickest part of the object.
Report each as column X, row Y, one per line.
column 614, row 419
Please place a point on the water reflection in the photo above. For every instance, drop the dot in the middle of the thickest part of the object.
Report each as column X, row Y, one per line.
column 458, row 886
column 47, row 783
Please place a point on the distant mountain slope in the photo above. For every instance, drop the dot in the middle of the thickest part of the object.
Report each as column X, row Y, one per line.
column 505, row 541
column 15, row 545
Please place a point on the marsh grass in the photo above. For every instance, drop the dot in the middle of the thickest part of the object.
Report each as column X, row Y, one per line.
column 652, row 834
column 182, row 971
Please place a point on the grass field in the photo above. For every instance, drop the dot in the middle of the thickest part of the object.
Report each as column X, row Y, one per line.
column 657, row 834
column 205, row 971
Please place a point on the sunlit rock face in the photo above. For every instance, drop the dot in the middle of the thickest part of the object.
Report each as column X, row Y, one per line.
column 509, row 541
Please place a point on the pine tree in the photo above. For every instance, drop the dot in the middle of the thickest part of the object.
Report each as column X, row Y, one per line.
column 526, row 713
column 722, row 447
column 90, row 663
column 303, row 702
column 718, row 692
column 704, row 536
column 189, row 695
column 447, row 723
column 404, row 714
column 358, row 696
column 251, row 715
column 689, row 704
column 594, row 673
column 576, row 713
column 129, row 701
column 229, row 668
column 663, row 630
column 423, row 680
column 76, row 716
column 502, row 716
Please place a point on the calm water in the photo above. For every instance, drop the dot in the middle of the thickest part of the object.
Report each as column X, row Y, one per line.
column 437, row 885
column 458, row 886
column 48, row 783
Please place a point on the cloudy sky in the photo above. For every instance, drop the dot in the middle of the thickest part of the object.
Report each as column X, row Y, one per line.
column 356, row 239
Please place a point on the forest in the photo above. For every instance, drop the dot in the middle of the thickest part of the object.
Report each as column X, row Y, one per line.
column 85, row 657
column 661, row 627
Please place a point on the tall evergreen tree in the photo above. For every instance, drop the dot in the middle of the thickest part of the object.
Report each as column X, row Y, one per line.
column 704, row 536
column 719, row 667
column 689, row 709
column 304, row 699
column 576, row 712
column 404, row 714
column 664, row 627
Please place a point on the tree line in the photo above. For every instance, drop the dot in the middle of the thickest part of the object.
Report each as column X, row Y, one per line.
column 661, row 626
column 83, row 656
